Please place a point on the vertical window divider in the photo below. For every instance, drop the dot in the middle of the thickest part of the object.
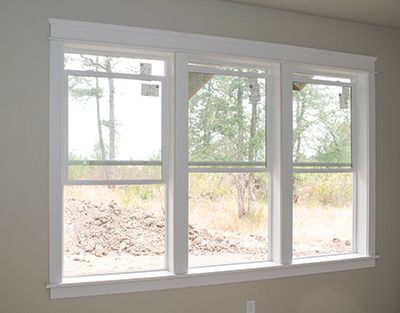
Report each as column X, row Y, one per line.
column 167, row 139
column 274, row 160
column 271, row 101
column 286, row 165
column 354, row 164
column 178, row 175
column 281, row 164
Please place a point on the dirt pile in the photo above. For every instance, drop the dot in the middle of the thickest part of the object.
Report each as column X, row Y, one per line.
column 99, row 229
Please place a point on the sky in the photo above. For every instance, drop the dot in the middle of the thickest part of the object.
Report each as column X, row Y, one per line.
column 138, row 116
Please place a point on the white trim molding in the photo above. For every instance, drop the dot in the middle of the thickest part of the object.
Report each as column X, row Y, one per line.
column 281, row 64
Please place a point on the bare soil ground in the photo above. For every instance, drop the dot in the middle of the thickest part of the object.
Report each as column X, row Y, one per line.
column 97, row 236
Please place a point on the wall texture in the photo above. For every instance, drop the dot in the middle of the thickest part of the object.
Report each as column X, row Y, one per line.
column 24, row 106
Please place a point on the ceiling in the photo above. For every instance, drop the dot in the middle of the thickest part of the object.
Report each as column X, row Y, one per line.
column 377, row 12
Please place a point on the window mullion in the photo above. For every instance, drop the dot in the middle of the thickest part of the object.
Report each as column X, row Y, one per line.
column 287, row 165
column 281, row 194
column 178, row 180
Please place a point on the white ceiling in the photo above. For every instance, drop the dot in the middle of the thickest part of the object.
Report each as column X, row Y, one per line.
column 376, row 12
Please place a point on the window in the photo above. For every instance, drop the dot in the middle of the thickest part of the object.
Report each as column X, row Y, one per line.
column 114, row 183
column 322, row 166
column 228, row 178
column 174, row 166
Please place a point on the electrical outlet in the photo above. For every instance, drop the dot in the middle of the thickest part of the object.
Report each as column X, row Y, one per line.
column 251, row 306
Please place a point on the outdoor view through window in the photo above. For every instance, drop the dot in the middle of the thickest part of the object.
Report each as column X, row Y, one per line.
column 112, row 223
column 228, row 181
column 115, row 192
column 323, row 179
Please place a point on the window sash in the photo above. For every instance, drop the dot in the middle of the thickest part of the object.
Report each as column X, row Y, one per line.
column 165, row 103
column 325, row 166
column 231, row 166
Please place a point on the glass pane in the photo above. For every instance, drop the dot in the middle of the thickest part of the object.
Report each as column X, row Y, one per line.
column 111, row 120
column 113, row 229
column 322, row 214
column 321, row 123
column 103, row 63
column 226, row 118
column 228, row 218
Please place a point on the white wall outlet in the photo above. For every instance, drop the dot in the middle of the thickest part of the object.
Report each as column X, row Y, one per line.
column 251, row 306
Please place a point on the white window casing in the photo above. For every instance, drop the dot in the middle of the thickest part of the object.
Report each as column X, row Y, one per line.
column 180, row 49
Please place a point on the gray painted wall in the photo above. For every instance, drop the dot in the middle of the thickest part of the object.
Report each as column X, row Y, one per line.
column 24, row 106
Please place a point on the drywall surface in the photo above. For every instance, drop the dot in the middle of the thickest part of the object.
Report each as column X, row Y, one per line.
column 24, row 114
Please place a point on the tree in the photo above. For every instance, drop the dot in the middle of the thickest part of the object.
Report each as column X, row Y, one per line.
column 321, row 127
column 225, row 125
column 104, row 65
column 83, row 88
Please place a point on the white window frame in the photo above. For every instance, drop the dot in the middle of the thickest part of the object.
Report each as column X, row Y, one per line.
column 283, row 62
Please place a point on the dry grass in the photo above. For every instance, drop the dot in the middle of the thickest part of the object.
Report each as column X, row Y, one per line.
column 150, row 198
column 223, row 216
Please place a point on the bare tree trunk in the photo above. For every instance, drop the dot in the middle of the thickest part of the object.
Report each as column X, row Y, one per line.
column 96, row 66
column 240, row 181
column 241, row 194
column 299, row 117
column 251, row 154
column 99, row 128
column 111, row 123
column 112, row 114
column 301, row 108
